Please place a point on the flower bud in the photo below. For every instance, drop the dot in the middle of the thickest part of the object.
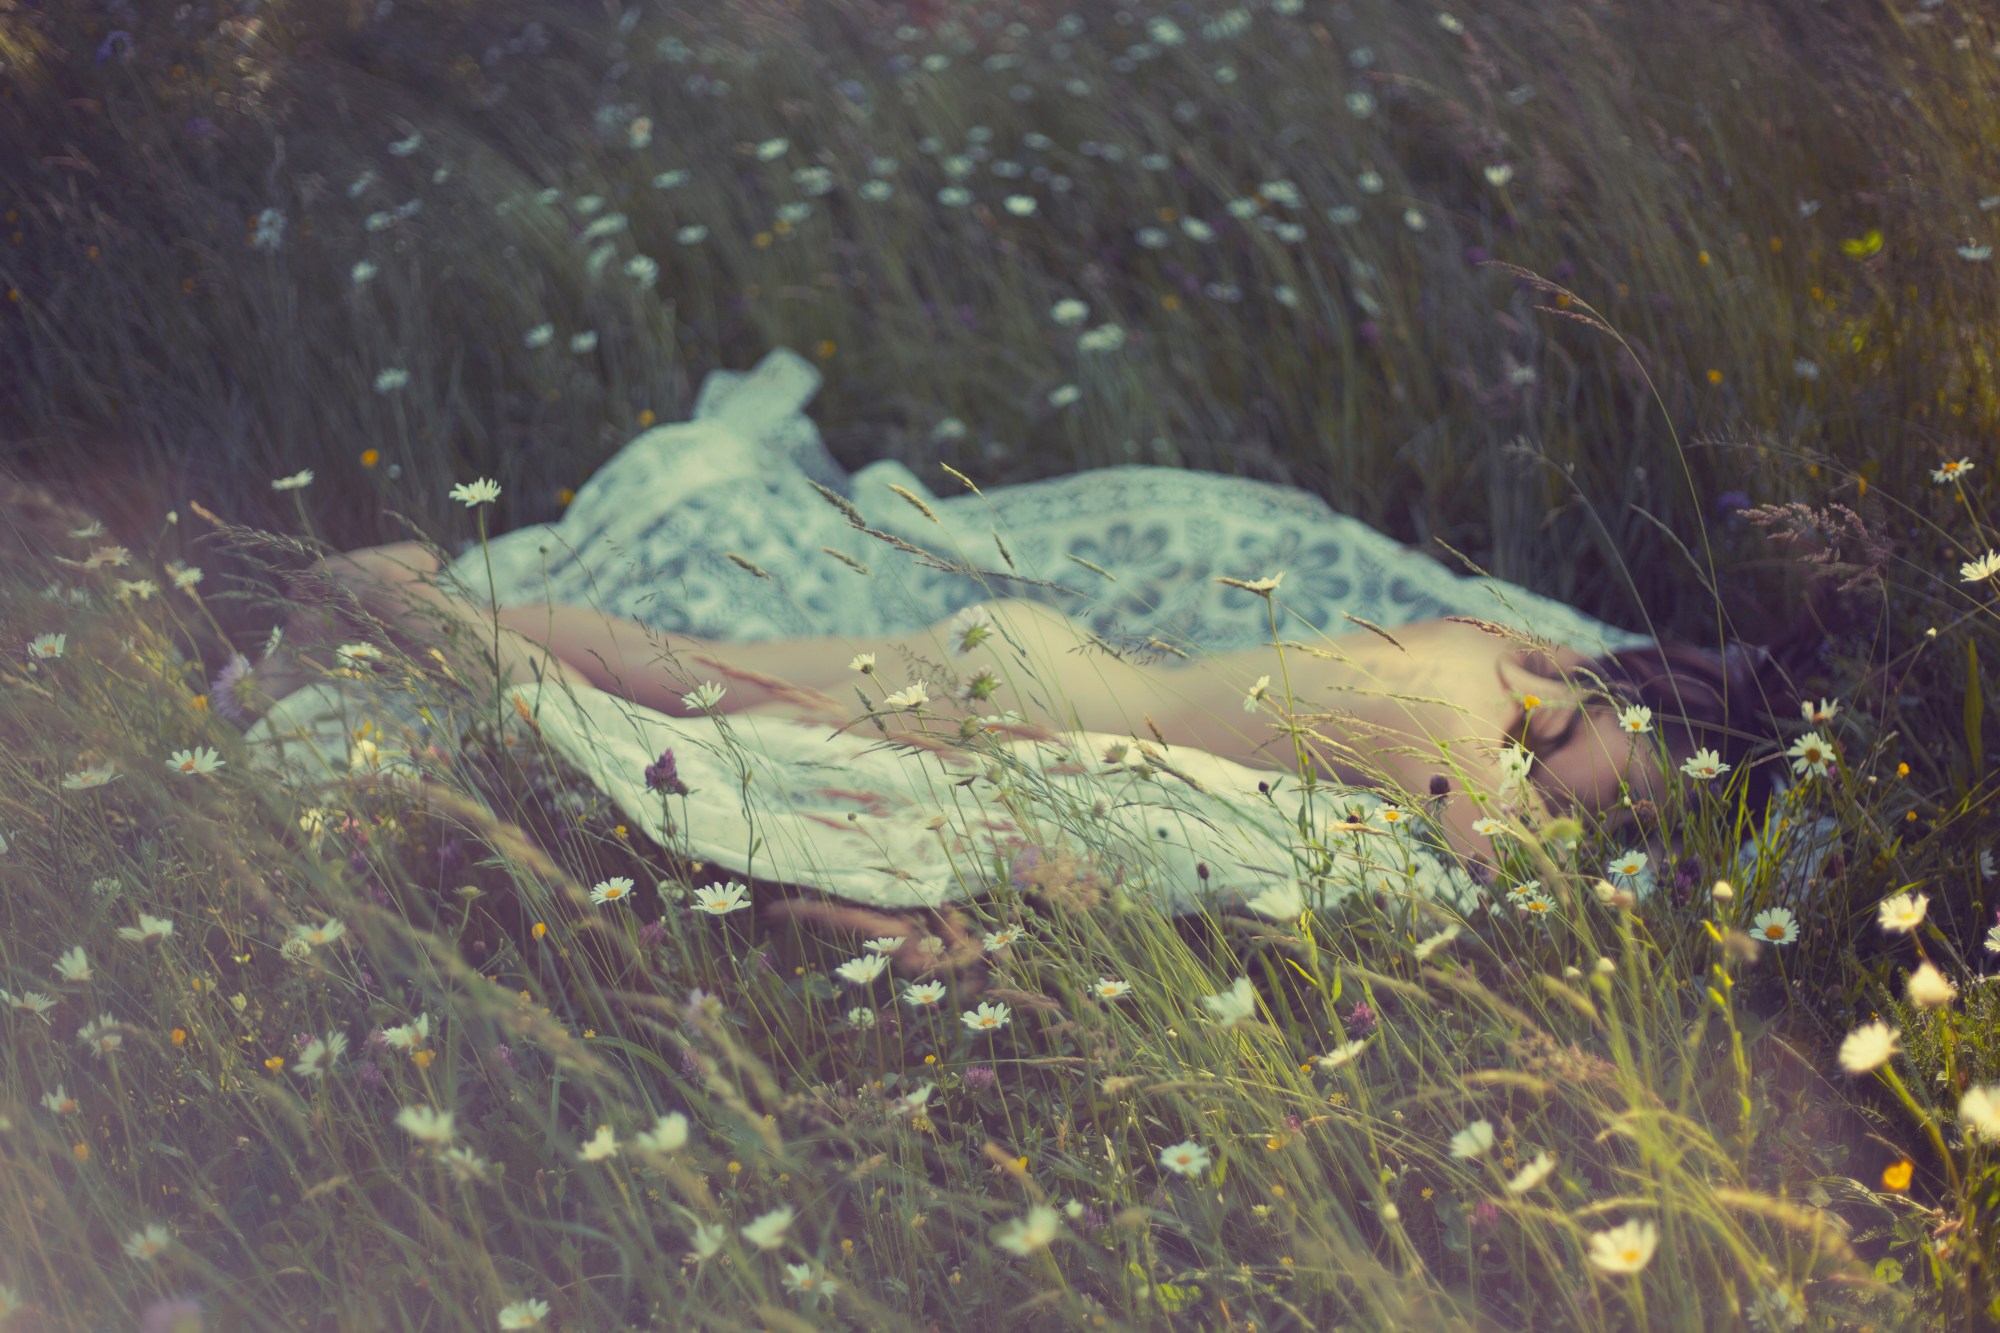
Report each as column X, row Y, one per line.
column 1722, row 892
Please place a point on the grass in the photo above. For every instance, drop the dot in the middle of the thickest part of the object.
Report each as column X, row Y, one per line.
column 1744, row 257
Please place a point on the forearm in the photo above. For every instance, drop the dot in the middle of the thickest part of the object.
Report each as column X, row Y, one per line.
column 431, row 618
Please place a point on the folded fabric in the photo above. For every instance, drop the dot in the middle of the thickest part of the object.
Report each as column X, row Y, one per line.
column 650, row 534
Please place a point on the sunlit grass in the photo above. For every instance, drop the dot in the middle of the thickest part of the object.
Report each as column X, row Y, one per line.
column 1254, row 241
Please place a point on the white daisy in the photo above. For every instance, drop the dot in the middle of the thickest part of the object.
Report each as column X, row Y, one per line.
column 721, row 899
column 923, row 994
column 1234, row 1005
column 198, row 761
column 149, row 928
column 1867, row 1047
column 668, row 1134
column 988, row 1017
column 1185, row 1159
column 426, row 1124
column 1625, row 1249
column 599, row 1146
column 1903, row 913
column 767, row 1232
column 470, row 494
column 1473, row 1141
column 613, row 890
column 863, row 970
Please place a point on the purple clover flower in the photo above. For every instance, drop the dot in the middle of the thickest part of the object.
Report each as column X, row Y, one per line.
column 980, row 1077
column 663, row 775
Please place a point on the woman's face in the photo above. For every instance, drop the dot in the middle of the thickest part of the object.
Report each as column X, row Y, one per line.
column 1590, row 764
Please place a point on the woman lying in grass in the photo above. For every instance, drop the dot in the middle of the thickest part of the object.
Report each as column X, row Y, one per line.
column 1434, row 708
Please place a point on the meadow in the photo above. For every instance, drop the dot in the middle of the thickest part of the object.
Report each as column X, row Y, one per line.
column 1680, row 312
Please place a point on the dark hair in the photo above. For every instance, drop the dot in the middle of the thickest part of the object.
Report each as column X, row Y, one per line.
column 1730, row 701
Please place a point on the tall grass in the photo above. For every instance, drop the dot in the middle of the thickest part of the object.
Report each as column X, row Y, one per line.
column 1773, row 316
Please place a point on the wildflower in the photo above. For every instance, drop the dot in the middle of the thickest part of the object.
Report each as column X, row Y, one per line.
column 200, row 760
column 1000, row 939
column 1258, row 693
column 1232, row 1006
column 325, row 933
column 235, row 689
column 1514, row 763
column 1929, row 988
column 915, row 696
column 862, row 662
column 1993, row 940
column 149, row 928
column 148, row 1243
column 923, row 994
column 522, row 1314
column 391, row 379
column 73, row 965
column 1069, row 312
column 59, row 1102
column 705, row 696
column 1534, row 902
column 471, row 494
column 988, row 1017
column 319, row 1055
column 409, row 1036
column 94, row 776
column 1626, row 1249
column 270, row 232
column 721, row 899
column 1636, row 720
column 971, row 627
column 539, row 336
column 47, row 647
column 801, row 1280
column 1978, row 1112
column 599, row 1146
column 1185, row 1159
column 1867, row 1047
column 1704, row 765
column 668, row 1134
column 768, row 1231
column 1473, row 1141
column 693, row 234
column 1103, row 338
column 1775, row 925
column 102, row 1035
column 1977, row 571
column 33, row 1002
column 1064, row 395
column 1903, row 913
column 1107, row 988
column 1629, row 866
column 1952, row 471
column 1020, row 205
column 1488, row 827
column 1024, row 1236
column 863, row 970
column 707, row 1238
column 1341, row 1055
column 1531, row 1175
column 426, row 1124
column 616, row 889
